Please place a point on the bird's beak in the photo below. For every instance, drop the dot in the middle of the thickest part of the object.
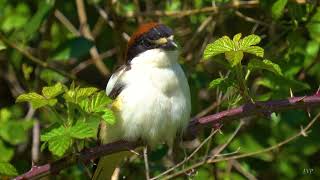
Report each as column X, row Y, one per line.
column 171, row 45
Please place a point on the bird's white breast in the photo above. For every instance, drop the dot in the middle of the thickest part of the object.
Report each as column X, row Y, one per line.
column 155, row 102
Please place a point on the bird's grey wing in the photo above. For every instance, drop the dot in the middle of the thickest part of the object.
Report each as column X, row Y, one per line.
column 115, row 84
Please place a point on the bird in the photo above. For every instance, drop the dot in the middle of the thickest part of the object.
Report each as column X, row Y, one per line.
column 150, row 92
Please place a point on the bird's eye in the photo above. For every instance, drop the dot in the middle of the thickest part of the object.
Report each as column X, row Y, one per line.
column 146, row 43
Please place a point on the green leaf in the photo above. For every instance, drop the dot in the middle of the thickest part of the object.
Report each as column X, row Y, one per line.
column 277, row 8
column 216, row 82
column 234, row 57
column 221, row 45
column 59, row 145
column 7, row 169
column 53, row 133
column 77, row 94
column 82, row 130
column 6, row 152
column 265, row 64
column 15, row 131
column 314, row 26
column 36, row 100
column 249, row 41
column 2, row 46
column 49, row 76
column 5, row 114
column 108, row 116
column 255, row 50
column 237, row 37
column 85, row 92
column 223, row 83
column 52, row 91
column 97, row 103
column 31, row 28
column 73, row 48
column 59, row 140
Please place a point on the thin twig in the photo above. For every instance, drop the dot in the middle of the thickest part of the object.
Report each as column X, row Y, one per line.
column 250, row 19
column 146, row 162
column 211, row 9
column 88, row 62
column 236, row 113
column 215, row 152
column 241, row 170
column 222, row 147
column 35, row 150
column 34, row 59
column 300, row 133
column 58, row 14
column 105, row 16
column 188, row 158
column 85, row 30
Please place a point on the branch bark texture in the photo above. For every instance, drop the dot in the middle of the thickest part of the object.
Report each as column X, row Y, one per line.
column 250, row 109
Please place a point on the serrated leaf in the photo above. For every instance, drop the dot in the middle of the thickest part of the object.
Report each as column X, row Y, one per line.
column 59, row 145
column 221, row 45
column 59, row 140
column 278, row 8
column 85, row 92
column 216, row 82
column 82, row 130
column 255, row 50
column 97, row 103
column 53, row 133
column 77, row 94
column 108, row 116
column 234, row 57
column 237, row 37
column 265, row 64
column 73, row 48
column 36, row 100
column 223, row 83
column 52, row 91
column 249, row 41
column 7, row 169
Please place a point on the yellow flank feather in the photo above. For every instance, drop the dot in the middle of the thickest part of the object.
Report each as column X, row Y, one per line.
column 116, row 104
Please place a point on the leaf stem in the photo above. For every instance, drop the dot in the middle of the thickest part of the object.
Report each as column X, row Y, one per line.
column 242, row 83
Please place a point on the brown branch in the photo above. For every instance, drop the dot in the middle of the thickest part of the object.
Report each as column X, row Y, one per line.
column 211, row 9
column 85, row 30
column 246, row 110
column 34, row 59
column 302, row 132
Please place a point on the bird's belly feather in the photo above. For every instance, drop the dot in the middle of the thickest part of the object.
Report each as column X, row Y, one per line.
column 153, row 108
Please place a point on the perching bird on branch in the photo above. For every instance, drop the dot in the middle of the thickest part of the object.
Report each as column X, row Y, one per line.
column 151, row 94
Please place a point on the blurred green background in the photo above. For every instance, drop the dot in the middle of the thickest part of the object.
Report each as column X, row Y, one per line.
column 87, row 41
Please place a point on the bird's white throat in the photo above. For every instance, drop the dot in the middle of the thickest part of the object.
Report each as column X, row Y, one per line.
column 156, row 58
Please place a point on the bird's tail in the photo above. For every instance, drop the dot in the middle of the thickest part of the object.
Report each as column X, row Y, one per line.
column 107, row 166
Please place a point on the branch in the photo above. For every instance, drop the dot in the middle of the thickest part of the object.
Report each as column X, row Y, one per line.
column 302, row 132
column 85, row 30
column 250, row 109
column 34, row 59
column 211, row 9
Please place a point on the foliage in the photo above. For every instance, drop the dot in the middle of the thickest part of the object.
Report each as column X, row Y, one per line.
column 83, row 109
column 243, row 53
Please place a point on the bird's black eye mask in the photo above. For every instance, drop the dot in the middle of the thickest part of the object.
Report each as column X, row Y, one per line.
column 155, row 38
